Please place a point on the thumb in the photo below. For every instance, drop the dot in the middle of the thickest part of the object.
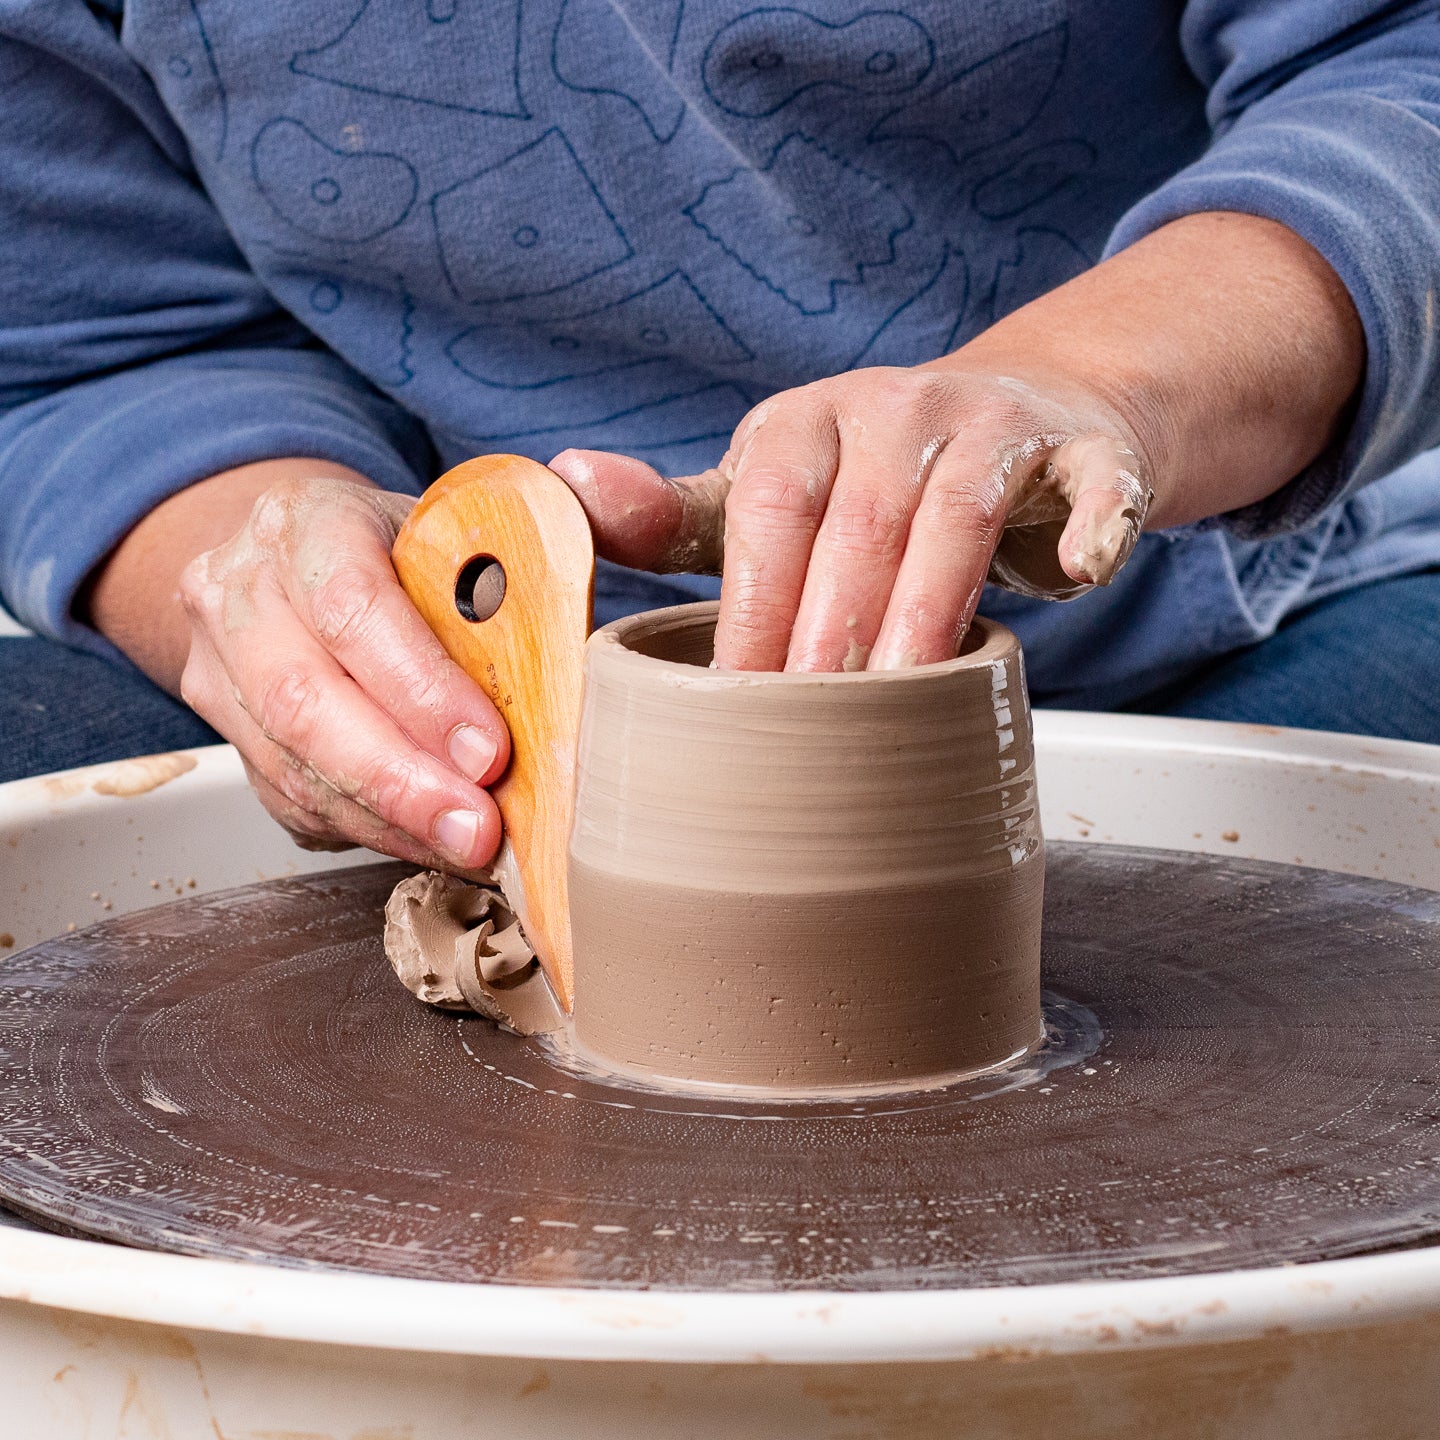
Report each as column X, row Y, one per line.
column 1100, row 478
column 644, row 520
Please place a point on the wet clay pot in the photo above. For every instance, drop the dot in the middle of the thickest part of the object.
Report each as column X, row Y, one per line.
column 803, row 882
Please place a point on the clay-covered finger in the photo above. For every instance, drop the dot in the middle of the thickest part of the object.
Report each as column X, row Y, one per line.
column 1099, row 477
column 343, row 586
column 952, row 537
column 642, row 519
column 783, row 469
column 300, row 698
column 861, row 540
column 314, row 815
column 312, row 832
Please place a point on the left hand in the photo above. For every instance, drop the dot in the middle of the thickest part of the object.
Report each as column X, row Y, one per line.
column 857, row 518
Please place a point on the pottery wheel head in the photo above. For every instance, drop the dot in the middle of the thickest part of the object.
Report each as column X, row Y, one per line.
column 1241, row 1070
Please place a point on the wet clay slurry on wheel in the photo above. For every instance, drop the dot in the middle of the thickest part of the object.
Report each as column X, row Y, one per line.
column 240, row 1075
column 801, row 882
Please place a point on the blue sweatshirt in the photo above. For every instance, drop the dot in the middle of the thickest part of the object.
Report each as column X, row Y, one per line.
column 396, row 233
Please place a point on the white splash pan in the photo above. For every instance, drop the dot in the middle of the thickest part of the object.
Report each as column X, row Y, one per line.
column 96, row 1340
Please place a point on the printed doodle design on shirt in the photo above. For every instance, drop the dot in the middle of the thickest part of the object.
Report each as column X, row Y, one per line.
column 669, row 320
column 598, row 51
column 532, row 225
column 691, row 408
column 460, row 54
column 375, row 326
column 337, row 195
column 189, row 80
column 927, row 322
column 760, row 62
column 1034, row 177
column 986, row 104
column 1040, row 259
column 602, row 364
column 836, row 222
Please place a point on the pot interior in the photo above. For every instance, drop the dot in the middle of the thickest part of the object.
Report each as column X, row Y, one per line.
column 686, row 636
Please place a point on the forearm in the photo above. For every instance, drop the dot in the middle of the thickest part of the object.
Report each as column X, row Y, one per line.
column 133, row 597
column 1225, row 342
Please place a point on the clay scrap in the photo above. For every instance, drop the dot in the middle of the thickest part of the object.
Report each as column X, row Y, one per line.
column 459, row 946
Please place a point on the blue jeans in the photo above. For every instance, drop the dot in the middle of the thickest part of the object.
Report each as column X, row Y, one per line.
column 1366, row 662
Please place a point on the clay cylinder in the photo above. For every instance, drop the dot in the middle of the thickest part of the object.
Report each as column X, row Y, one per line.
column 803, row 882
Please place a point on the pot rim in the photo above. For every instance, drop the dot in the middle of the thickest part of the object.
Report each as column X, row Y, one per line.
column 614, row 642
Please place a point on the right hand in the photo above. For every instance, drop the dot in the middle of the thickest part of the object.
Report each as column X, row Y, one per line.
column 354, row 724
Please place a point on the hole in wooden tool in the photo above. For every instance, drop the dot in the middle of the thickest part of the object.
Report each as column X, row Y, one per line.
column 480, row 587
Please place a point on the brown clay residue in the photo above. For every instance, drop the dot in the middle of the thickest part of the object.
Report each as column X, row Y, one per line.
column 535, row 1385
column 7, row 941
column 1158, row 1329
column 1009, row 1354
column 128, row 778
column 123, row 778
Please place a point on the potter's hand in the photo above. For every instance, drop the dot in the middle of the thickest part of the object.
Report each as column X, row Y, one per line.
column 857, row 517
column 305, row 653
column 1211, row 361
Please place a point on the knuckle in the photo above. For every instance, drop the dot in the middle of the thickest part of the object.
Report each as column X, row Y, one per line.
column 427, row 692
column 308, row 831
column 344, row 607
column 198, row 588
column 390, row 786
column 299, row 786
column 769, row 496
column 285, row 808
column 758, row 617
column 192, row 584
column 275, row 515
column 961, row 507
column 917, row 391
column 288, row 706
column 872, row 522
column 996, row 413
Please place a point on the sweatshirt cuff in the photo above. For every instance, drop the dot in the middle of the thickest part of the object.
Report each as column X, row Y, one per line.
column 1324, row 166
column 80, row 468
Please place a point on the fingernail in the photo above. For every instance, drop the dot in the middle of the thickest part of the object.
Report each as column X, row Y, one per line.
column 472, row 751
column 456, row 832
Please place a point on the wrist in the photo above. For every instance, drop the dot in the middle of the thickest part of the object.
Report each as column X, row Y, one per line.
column 1224, row 345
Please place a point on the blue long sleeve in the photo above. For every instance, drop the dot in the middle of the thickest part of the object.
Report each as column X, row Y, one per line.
column 138, row 352
column 231, row 231
column 1327, row 119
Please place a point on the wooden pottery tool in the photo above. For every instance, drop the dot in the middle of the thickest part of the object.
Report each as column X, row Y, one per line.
column 499, row 559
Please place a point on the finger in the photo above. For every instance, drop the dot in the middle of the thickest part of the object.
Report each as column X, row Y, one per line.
column 353, row 604
column 300, row 698
column 641, row 519
column 310, row 832
column 304, row 828
column 315, row 816
column 1100, row 479
column 952, row 537
column 783, row 470
column 858, row 548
